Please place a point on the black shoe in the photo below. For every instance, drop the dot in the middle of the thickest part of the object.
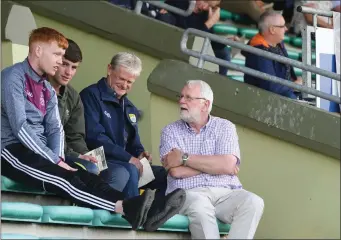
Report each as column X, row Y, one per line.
column 163, row 208
column 136, row 209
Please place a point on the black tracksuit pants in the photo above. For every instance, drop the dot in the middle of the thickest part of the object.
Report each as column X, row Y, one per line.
column 85, row 189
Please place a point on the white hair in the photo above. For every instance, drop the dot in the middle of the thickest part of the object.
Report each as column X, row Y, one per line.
column 129, row 61
column 266, row 19
column 205, row 91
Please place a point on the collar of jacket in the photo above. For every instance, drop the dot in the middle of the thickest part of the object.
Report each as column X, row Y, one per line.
column 109, row 95
column 259, row 40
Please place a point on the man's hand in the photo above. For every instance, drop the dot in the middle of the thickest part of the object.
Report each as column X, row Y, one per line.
column 137, row 164
column 298, row 81
column 173, row 159
column 147, row 155
column 88, row 158
column 66, row 166
column 213, row 17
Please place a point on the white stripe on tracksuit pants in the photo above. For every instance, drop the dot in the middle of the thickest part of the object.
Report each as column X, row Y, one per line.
column 17, row 166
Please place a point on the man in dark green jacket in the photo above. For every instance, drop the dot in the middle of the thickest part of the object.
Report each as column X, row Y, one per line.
column 72, row 117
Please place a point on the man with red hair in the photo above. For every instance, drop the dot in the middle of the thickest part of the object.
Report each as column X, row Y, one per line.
column 32, row 139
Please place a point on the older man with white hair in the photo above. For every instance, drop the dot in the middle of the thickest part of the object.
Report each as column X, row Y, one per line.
column 270, row 38
column 202, row 155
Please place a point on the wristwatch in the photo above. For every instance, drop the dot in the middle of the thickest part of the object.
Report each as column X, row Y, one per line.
column 184, row 158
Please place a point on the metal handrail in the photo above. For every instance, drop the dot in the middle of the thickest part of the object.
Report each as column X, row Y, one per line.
column 167, row 7
column 304, row 9
column 203, row 57
column 306, row 38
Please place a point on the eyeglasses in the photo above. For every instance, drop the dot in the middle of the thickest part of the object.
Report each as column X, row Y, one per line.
column 279, row 26
column 188, row 98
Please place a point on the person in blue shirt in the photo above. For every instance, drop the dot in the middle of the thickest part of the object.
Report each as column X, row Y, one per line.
column 270, row 38
column 111, row 122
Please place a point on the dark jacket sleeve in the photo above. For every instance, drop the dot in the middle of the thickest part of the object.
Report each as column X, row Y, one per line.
column 95, row 132
column 75, row 128
column 266, row 65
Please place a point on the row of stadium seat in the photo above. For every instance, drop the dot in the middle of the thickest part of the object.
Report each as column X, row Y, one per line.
column 73, row 215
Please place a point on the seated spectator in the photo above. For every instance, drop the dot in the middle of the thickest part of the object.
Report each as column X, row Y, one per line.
column 111, row 122
column 72, row 117
column 300, row 20
column 205, row 14
column 270, row 38
column 32, row 140
column 202, row 155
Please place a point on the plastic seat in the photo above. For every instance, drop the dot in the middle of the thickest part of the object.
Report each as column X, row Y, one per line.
column 105, row 218
column 297, row 42
column 9, row 185
column 236, row 77
column 68, row 215
column 17, row 211
column 224, row 14
column 224, row 29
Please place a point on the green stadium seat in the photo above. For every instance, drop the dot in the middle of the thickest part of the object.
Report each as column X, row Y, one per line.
column 236, row 77
column 177, row 223
column 68, row 215
column 248, row 32
column 224, row 29
column 17, row 236
column 297, row 42
column 313, row 56
column 293, row 55
column 224, row 14
column 238, row 61
column 17, row 211
column 105, row 218
column 9, row 185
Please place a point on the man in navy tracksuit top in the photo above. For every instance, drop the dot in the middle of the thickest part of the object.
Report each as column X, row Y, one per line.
column 32, row 140
column 111, row 122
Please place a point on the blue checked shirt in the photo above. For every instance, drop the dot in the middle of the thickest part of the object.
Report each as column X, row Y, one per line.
column 217, row 137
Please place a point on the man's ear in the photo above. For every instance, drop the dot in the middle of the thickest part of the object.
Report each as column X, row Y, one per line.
column 38, row 50
column 109, row 69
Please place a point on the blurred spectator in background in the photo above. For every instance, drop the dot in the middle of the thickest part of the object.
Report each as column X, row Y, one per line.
column 300, row 20
column 270, row 38
column 253, row 9
column 205, row 14
column 287, row 9
column 147, row 9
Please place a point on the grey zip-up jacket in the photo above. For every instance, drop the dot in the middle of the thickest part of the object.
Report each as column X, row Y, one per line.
column 29, row 112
